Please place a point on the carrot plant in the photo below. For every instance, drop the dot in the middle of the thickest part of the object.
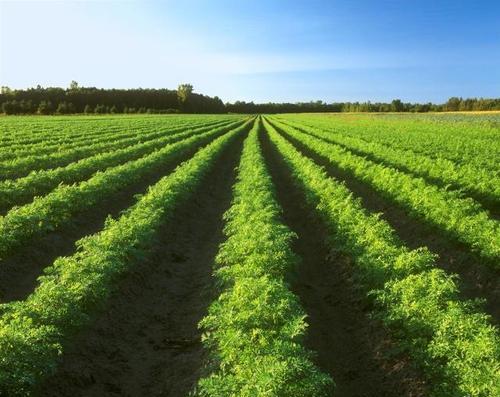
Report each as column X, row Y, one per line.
column 463, row 219
column 34, row 332
column 254, row 330
column 450, row 339
column 472, row 180
column 58, row 207
column 20, row 191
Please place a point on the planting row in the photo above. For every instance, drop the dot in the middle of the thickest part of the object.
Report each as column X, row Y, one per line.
column 30, row 130
column 33, row 332
column 464, row 219
column 22, row 190
column 58, row 207
column 463, row 143
column 479, row 182
column 89, row 139
column 449, row 339
column 22, row 166
column 35, row 131
column 255, row 328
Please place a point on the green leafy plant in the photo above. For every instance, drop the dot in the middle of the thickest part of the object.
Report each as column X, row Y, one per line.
column 448, row 338
column 33, row 332
column 255, row 328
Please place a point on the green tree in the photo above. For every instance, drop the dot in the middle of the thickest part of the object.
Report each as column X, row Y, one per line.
column 184, row 93
column 453, row 104
column 45, row 107
column 62, row 108
column 397, row 105
column 100, row 109
column 11, row 107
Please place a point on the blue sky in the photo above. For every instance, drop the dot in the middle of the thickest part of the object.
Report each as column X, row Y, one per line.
column 258, row 50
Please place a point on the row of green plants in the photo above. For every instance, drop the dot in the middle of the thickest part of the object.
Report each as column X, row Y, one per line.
column 21, row 166
column 22, row 190
column 451, row 340
column 16, row 133
column 67, row 130
column 254, row 330
column 472, row 143
column 34, row 332
column 48, row 147
column 480, row 182
column 49, row 212
column 462, row 218
column 19, row 131
column 34, row 132
column 59, row 135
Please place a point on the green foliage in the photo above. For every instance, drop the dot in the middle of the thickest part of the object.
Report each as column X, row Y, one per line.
column 47, row 156
column 18, row 107
column 480, row 182
column 86, row 99
column 65, row 108
column 426, row 307
column 452, row 342
column 34, row 332
column 255, row 328
column 45, row 107
column 184, row 95
column 56, row 208
column 100, row 109
column 464, row 139
column 39, row 182
column 463, row 218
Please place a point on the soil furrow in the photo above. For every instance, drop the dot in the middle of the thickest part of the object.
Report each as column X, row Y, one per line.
column 486, row 202
column 477, row 279
column 354, row 349
column 146, row 342
column 19, row 271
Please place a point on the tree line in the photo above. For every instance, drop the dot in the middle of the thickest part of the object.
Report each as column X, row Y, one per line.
column 453, row 104
column 91, row 100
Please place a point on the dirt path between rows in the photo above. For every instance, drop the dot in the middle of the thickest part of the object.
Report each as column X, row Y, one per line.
column 87, row 175
column 146, row 342
column 19, row 271
column 477, row 278
column 486, row 202
column 350, row 347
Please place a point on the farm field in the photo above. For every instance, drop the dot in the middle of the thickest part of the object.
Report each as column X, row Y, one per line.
column 237, row 255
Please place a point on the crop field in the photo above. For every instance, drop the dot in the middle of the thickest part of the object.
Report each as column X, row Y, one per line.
column 234, row 255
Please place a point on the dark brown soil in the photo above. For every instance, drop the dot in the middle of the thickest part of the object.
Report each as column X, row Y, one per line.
column 25, row 200
column 477, row 279
column 354, row 349
column 19, row 272
column 146, row 342
column 487, row 202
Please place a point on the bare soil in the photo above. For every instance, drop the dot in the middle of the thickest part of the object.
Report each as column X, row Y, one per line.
column 477, row 279
column 486, row 202
column 350, row 346
column 146, row 342
column 19, row 271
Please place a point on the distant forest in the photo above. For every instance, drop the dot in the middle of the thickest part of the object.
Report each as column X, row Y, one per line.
column 91, row 100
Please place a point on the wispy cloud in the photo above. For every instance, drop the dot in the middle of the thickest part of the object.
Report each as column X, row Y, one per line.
column 240, row 51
